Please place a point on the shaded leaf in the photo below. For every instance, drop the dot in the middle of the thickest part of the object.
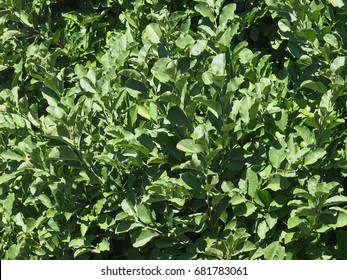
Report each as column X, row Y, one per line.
column 145, row 236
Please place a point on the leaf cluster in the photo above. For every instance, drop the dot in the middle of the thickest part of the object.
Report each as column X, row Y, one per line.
column 152, row 129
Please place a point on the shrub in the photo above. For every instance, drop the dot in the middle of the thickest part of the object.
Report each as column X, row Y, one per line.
column 152, row 129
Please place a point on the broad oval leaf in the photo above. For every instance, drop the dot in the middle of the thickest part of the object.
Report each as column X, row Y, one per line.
column 153, row 33
column 189, row 146
column 145, row 236
column 313, row 156
column 63, row 153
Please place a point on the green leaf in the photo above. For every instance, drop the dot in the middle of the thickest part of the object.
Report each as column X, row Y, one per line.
column 46, row 201
column 56, row 111
column 80, row 71
column 184, row 41
column 331, row 40
column 282, row 122
column 316, row 86
column 87, row 86
column 76, row 243
column 8, row 203
column 341, row 220
column 262, row 229
column 5, row 177
column 305, row 134
column 244, row 209
column 10, row 155
column 161, row 71
column 276, row 156
column 265, row 197
column 63, row 153
column 313, row 156
column 145, row 236
column 178, row 117
column 277, row 182
column 13, row 252
column 284, row 25
column 246, row 56
column 218, row 65
column 205, row 11
column 334, row 200
column 144, row 214
column 245, row 108
column 337, row 63
column 127, row 226
column 20, row 222
column 194, row 164
column 153, row 33
column 18, row 120
column 104, row 245
column 251, row 182
column 198, row 48
column 293, row 222
column 308, row 34
column 105, row 221
column 133, row 74
column 226, row 38
column 228, row 13
column 274, row 251
column 189, row 146
column 337, row 3
column 207, row 78
column 128, row 207
column 143, row 112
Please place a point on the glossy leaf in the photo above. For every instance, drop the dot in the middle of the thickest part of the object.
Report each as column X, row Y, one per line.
column 189, row 146
column 144, row 237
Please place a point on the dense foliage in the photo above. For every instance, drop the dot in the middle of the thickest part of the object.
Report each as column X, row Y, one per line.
column 152, row 129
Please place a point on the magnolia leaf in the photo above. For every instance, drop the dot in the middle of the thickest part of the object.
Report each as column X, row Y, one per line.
column 218, row 65
column 277, row 182
column 337, row 3
column 177, row 116
column 262, row 229
column 228, row 13
column 5, row 177
column 264, row 197
column 144, row 214
column 128, row 207
column 127, row 226
column 331, row 40
column 313, row 156
column 189, row 146
column 316, row 86
column 205, row 11
column 337, row 63
column 274, row 251
column 190, row 164
column 153, row 33
column 145, row 236
column 105, row 221
column 184, row 41
column 252, row 182
column 104, row 245
column 246, row 56
column 334, row 200
column 198, row 48
column 305, row 134
column 226, row 38
column 63, row 153
column 341, row 220
column 87, row 86
column 276, row 156
column 10, row 155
